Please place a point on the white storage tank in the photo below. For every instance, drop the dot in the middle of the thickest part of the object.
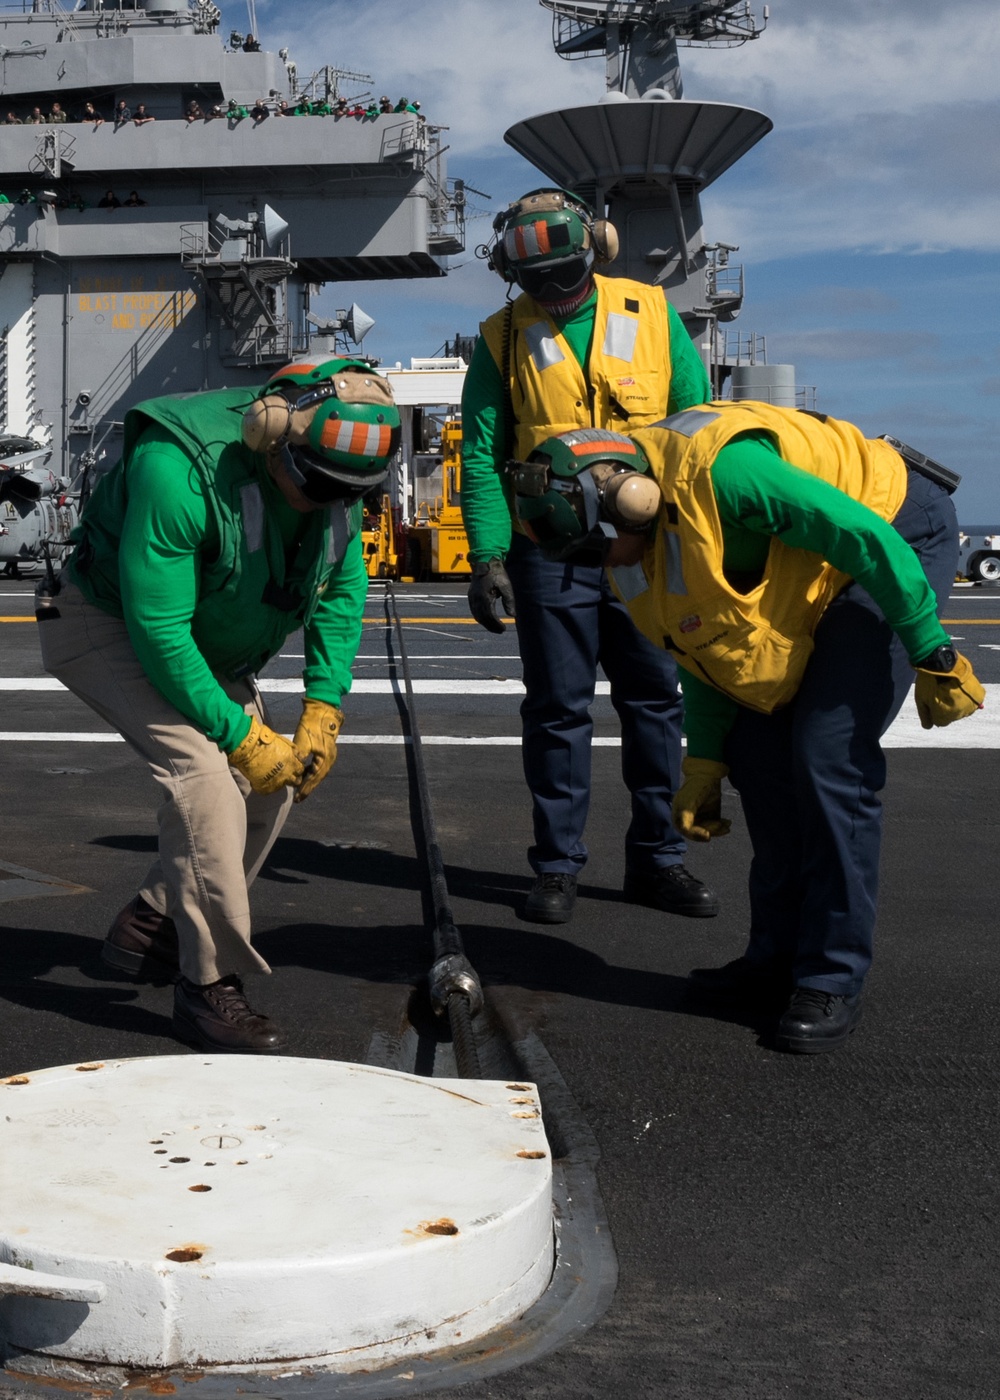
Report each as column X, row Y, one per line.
column 774, row 384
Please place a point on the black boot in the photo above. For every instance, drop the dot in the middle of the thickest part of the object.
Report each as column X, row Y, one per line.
column 817, row 1021
column 672, row 889
column 551, row 899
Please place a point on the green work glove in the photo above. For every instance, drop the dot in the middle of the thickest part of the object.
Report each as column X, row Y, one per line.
column 697, row 809
column 946, row 688
column 490, row 582
column 267, row 760
column 315, row 743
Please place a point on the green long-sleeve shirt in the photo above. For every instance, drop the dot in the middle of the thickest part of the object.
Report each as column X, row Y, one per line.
column 485, row 508
column 759, row 495
column 147, row 569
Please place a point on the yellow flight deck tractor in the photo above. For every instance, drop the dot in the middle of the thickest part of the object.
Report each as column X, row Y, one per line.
column 436, row 543
column 418, row 533
column 379, row 538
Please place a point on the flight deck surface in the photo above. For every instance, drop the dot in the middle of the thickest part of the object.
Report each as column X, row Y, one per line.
column 821, row 1227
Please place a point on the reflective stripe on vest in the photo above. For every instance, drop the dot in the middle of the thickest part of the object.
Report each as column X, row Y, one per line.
column 629, row 580
column 543, row 349
column 626, row 384
column 619, row 336
column 252, row 514
column 339, row 532
column 688, row 422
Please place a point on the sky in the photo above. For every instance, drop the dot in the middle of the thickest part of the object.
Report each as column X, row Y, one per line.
column 868, row 220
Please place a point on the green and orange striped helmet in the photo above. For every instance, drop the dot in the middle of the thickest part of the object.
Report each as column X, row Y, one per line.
column 349, row 441
column 578, row 492
column 545, row 244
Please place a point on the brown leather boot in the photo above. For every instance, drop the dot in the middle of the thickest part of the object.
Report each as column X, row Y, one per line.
column 142, row 944
column 219, row 1017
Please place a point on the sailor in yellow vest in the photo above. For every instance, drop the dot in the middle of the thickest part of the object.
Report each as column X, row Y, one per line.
column 794, row 569
column 576, row 349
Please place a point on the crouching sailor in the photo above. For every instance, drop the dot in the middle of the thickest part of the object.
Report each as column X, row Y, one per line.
column 795, row 571
column 232, row 520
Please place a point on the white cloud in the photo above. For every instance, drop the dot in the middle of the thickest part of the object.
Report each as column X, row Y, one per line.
column 475, row 67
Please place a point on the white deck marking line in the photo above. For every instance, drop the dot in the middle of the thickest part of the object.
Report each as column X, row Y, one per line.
column 486, row 659
column 904, row 734
column 292, row 685
column 982, row 731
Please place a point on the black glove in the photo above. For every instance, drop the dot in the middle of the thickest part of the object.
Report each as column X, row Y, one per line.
column 490, row 582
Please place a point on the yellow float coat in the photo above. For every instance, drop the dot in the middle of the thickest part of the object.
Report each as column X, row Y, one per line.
column 626, row 382
column 753, row 646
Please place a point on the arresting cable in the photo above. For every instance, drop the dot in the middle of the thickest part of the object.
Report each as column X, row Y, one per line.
column 455, row 988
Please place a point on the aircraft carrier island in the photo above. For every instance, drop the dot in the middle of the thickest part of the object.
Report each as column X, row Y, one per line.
column 206, row 280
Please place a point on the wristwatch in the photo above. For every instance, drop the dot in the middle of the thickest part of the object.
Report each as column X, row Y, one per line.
column 942, row 658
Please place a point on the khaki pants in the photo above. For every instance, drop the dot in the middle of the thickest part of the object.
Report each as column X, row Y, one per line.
column 215, row 832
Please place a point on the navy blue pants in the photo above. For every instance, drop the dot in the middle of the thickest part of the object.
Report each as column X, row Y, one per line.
column 810, row 774
column 568, row 621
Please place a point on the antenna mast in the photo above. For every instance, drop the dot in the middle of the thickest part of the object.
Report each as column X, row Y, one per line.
column 643, row 153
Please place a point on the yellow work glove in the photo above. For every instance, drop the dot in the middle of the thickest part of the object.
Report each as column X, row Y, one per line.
column 267, row 760
column 697, row 808
column 315, row 743
column 944, row 696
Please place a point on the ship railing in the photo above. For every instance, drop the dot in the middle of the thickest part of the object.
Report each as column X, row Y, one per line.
column 446, row 201
column 742, row 348
column 47, row 7
column 201, row 245
column 805, row 395
column 407, row 139
column 193, row 243
column 271, row 344
column 580, row 27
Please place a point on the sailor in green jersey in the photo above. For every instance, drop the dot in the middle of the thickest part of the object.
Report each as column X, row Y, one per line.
column 575, row 349
column 232, row 520
column 795, row 570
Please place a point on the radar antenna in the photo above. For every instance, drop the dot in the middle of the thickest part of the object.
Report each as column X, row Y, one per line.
column 639, row 38
column 351, row 325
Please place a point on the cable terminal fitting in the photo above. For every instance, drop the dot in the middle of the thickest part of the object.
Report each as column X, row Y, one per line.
column 451, row 974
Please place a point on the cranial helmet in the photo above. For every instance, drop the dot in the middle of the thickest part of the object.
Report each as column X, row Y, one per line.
column 577, row 492
column 335, row 425
column 547, row 242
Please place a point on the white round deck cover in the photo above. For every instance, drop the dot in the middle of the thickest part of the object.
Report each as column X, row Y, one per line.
column 242, row 1210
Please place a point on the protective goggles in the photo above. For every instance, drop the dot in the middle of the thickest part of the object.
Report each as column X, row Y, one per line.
column 555, row 281
column 322, row 484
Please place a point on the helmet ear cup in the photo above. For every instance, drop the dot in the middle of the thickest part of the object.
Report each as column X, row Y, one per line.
column 497, row 261
column 632, row 500
column 604, row 239
column 266, row 422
